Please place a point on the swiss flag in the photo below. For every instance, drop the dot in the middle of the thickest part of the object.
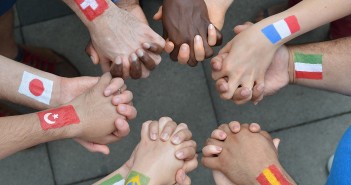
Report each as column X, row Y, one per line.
column 92, row 8
column 59, row 117
column 36, row 87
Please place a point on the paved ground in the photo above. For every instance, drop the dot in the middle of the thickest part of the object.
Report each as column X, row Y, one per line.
column 309, row 122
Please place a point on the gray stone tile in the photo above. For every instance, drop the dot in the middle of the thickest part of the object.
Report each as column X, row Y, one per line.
column 88, row 182
column 201, row 175
column 33, row 11
column 304, row 150
column 30, row 166
column 69, row 40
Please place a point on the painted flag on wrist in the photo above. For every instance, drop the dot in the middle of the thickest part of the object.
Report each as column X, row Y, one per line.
column 272, row 176
column 281, row 29
column 308, row 66
column 92, row 8
column 115, row 180
column 135, row 178
column 36, row 87
column 57, row 118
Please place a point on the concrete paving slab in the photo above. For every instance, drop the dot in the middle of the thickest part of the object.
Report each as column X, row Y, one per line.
column 304, row 150
column 33, row 11
column 30, row 166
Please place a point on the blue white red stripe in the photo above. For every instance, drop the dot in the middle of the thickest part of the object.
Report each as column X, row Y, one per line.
column 281, row 29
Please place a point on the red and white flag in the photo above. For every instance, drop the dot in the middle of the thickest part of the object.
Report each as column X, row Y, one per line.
column 59, row 117
column 92, row 8
column 36, row 87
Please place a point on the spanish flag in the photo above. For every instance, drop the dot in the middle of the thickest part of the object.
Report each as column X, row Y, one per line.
column 272, row 176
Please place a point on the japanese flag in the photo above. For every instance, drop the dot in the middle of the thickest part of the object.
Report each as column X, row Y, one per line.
column 36, row 87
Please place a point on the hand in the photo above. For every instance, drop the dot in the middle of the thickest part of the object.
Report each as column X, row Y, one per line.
column 242, row 156
column 276, row 77
column 92, row 107
column 151, row 156
column 135, row 48
column 193, row 13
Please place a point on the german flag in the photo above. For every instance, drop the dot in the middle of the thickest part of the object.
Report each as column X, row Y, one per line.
column 272, row 176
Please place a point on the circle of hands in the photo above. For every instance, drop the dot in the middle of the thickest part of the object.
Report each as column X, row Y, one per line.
column 134, row 51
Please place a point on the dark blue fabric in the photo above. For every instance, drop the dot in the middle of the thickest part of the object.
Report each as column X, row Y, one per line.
column 6, row 5
column 340, row 173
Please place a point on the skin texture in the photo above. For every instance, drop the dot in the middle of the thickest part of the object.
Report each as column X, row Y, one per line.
column 151, row 156
column 243, row 155
column 182, row 22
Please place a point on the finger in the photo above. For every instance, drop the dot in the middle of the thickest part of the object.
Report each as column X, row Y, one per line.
column 126, row 67
column 182, row 178
column 240, row 28
column 122, row 127
column 127, row 110
column 115, row 84
column 185, row 153
column 255, row 128
column 116, row 69
column 153, row 47
column 226, row 48
column 93, row 147
column 105, row 65
column 242, row 95
column 219, row 135
column 222, row 86
column 146, row 59
column 91, row 52
column 216, row 63
column 212, row 35
column 169, row 46
column 182, row 135
column 211, row 150
column 225, row 128
column 214, row 142
column 153, row 129
column 158, row 15
column 124, row 98
column 162, row 123
column 135, row 67
column 191, row 165
column 207, row 48
column 199, row 48
column 258, row 92
column 168, row 130
column 219, row 37
column 276, row 142
column 145, row 130
column 211, row 162
column 233, row 85
column 184, row 54
column 234, row 126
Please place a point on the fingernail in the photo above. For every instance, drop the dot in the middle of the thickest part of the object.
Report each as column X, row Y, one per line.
column 211, row 26
column 153, row 136
column 222, row 135
column 222, row 88
column 122, row 108
column 260, row 87
column 140, row 53
column 183, row 47
column 147, row 45
column 197, row 38
column 236, row 127
column 120, row 123
column 256, row 103
column 180, row 155
column 118, row 61
column 92, row 59
column 134, row 57
column 245, row 92
column 218, row 148
column 183, row 176
column 107, row 92
column 117, row 100
column 176, row 140
column 216, row 66
column 165, row 136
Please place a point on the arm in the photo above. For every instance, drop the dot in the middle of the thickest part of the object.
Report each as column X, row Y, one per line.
column 336, row 64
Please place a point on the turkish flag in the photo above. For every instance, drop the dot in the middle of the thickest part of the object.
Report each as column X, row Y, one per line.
column 57, row 118
column 92, row 8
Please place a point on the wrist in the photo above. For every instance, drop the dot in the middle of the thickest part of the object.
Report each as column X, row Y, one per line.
column 291, row 67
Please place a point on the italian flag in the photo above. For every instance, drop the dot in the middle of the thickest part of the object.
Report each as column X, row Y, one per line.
column 308, row 66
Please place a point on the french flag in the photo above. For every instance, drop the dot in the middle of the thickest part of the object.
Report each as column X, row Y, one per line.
column 281, row 29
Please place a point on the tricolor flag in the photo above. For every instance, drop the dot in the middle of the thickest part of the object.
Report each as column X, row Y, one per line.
column 36, row 87
column 308, row 66
column 57, row 118
column 92, row 8
column 272, row 176
column 281, row 29
column 115, row 180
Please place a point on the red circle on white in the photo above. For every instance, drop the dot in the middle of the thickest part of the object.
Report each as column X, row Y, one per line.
column 36, row 87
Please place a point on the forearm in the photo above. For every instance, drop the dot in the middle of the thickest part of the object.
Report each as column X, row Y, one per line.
column 310, row 14
column 21, row 132
column 11, row 79
column 336, row 65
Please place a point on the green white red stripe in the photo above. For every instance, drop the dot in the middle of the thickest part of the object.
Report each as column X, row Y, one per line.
column 308, row 66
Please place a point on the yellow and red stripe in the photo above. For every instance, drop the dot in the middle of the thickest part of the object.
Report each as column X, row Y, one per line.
column 272, row 176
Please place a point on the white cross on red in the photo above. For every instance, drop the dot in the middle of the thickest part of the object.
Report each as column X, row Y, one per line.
column 89, row 3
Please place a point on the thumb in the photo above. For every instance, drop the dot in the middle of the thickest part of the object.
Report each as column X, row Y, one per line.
column 276, row 142
column 240, row 28
column 158, row 15
column 93, row 147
